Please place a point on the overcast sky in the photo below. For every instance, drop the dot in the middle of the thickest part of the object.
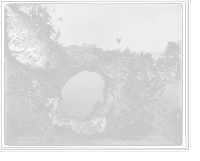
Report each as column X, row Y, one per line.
column 142, row 27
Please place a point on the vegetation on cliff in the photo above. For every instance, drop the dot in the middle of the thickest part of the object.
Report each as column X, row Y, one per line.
column 31, row 37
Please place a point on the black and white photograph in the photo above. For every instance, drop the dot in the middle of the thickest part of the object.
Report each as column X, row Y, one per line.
column 94, row 75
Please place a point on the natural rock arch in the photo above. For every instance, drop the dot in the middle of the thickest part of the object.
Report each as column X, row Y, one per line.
column 39, row 88
column 37, row 69
column 114, row 72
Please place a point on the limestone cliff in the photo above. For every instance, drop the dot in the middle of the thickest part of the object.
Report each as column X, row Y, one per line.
column 28, row 91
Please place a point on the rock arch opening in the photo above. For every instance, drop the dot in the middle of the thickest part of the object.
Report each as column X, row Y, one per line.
column 81, row 93
column 86, row 102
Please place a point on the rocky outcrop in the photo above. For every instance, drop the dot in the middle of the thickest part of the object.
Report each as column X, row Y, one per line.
column 37, row 68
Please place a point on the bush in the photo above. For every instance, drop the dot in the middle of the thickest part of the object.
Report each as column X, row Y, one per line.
column 29, row 37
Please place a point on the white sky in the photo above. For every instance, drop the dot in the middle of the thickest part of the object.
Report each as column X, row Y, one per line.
column 142, row 27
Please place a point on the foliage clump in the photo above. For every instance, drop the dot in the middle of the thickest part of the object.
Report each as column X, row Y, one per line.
column 137, row 66
column 138, row 73
column 104, row 56
column 31, row 38
column 137, row 62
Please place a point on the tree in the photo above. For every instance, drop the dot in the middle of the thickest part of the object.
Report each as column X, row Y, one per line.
column 170, row 64
column 127, row 52
column 145, row 58
column 171, row 49
column 118, row 40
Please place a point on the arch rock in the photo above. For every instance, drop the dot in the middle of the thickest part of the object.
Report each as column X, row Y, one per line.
column 30, row 93
column 115, row 73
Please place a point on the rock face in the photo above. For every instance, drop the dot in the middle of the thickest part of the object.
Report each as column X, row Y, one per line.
column 37, row 67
